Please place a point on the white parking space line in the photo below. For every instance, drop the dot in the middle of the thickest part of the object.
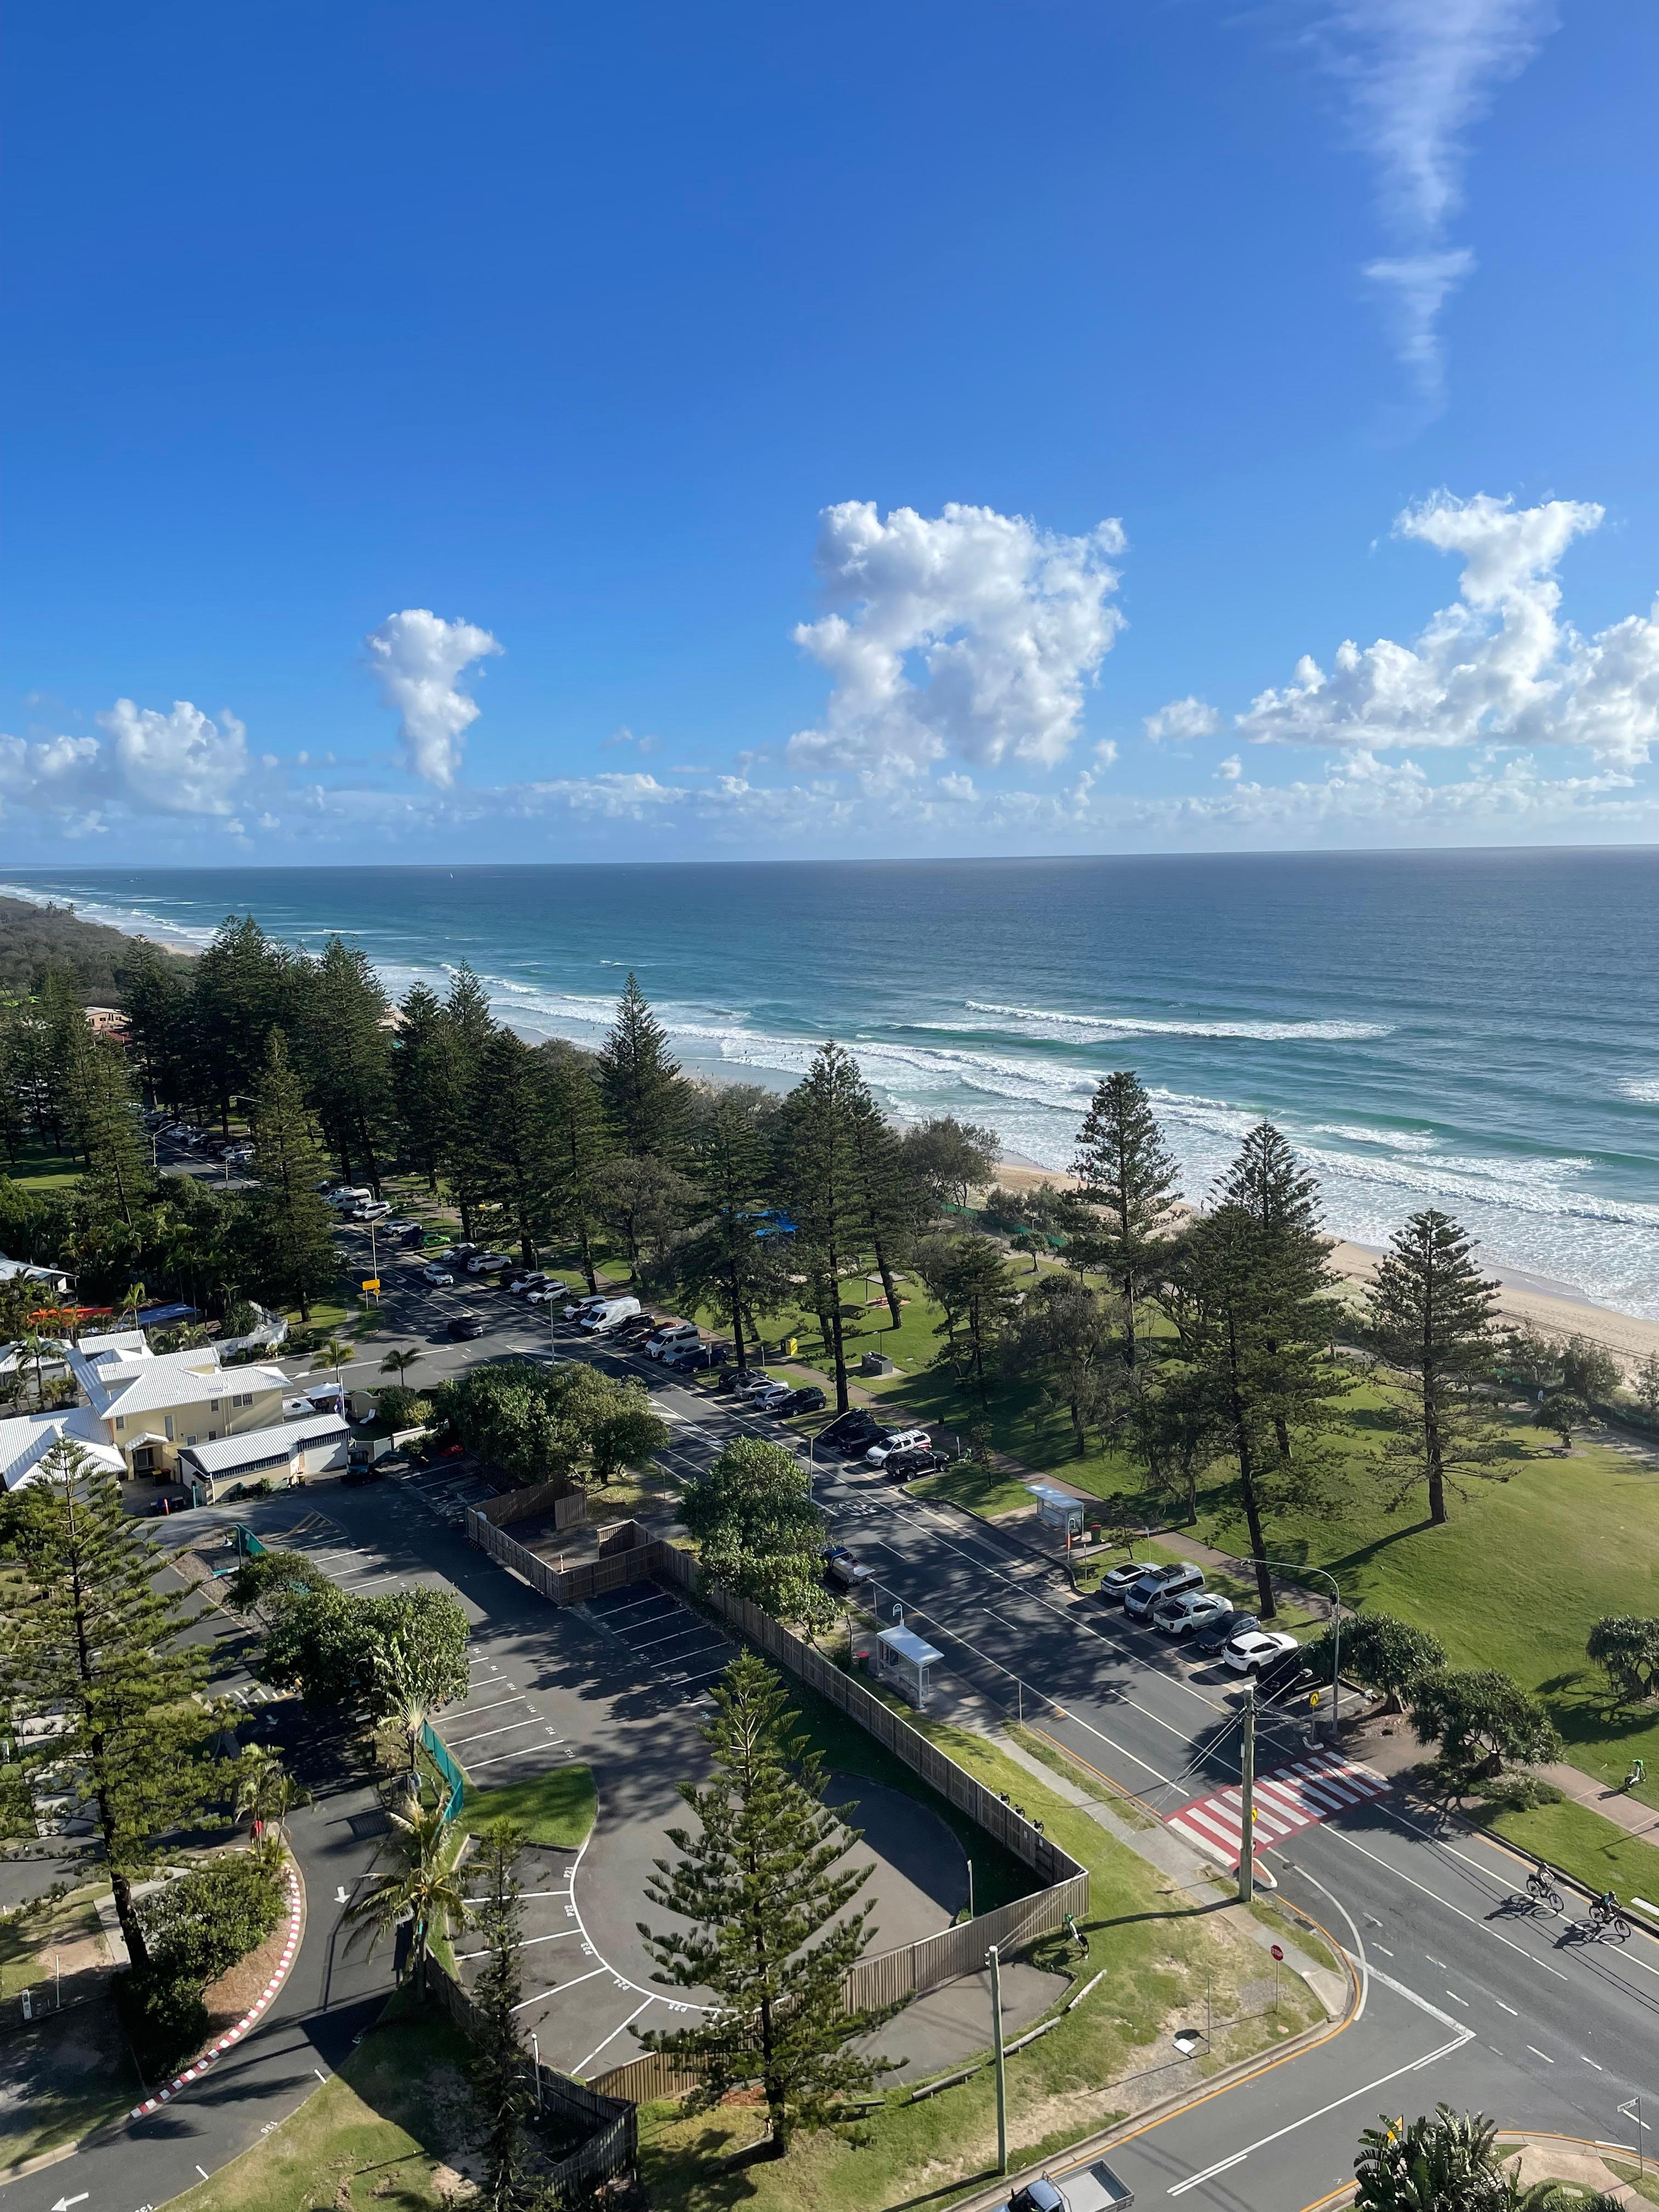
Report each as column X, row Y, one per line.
column 500, row 1758
column 454, row 1742
column 559, row 1989
column 610, row 2039
column 495, row 1705
column 678, row 1637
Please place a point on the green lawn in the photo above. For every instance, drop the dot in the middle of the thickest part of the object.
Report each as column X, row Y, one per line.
column 555, row 1808
column 397, row 2108
column 1158, row 1953
column 21, row 1942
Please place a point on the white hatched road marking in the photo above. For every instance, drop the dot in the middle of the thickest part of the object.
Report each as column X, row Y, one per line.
column 1289, row 1798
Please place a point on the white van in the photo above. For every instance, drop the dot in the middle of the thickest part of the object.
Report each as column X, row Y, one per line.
column 370, row 1209
column 609, row 1313
column 346, row 1195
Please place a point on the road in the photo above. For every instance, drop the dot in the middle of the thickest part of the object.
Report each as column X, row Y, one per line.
column 1467, row 1997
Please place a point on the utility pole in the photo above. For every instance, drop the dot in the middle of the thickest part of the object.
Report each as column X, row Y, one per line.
column 1247, row 1800
column 1002, row 2069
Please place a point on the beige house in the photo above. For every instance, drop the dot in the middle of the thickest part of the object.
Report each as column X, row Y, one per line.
column 148, row 1407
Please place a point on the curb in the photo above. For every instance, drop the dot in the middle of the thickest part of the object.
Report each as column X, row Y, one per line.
column 216, row 2050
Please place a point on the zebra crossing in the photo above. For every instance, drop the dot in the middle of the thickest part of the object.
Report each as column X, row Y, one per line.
column 1291, row 1797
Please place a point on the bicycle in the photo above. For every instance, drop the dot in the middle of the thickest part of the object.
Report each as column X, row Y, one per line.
column 1542, row 1892
column 1606, row 1922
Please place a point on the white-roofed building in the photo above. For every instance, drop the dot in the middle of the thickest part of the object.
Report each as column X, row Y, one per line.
column 150, row 1407
column 26, row 1440
column 318, row 1446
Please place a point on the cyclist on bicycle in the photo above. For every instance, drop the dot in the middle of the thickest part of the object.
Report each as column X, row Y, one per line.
column 1606, row 1907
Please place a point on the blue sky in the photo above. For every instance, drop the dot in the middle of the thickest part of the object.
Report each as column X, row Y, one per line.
column 506, row 432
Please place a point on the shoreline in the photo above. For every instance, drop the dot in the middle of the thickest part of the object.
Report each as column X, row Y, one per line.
column 1557, row 1309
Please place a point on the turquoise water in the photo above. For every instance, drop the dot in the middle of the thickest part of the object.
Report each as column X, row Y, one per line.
column 1477, row 1030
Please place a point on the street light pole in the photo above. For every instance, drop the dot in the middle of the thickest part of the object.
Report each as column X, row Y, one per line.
column 1296, row 1567
column 1002, row 2069
column 1247, row 1800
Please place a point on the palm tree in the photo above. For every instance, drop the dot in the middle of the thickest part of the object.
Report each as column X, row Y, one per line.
column 337, row 1353
column 265, row 1790
column 407, row 1697
column 1446, row 2161
column 32, row 1346
column 399, row 1362
column 421, row 1885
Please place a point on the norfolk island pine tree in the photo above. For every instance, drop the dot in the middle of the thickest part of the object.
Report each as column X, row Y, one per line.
column 761, row 1884
column 293, row 1223
column 1129, row 1172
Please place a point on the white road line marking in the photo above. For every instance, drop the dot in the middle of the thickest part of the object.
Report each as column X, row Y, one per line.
column 1537, row 2053
column 1384, row 1949
column 1433, row 1961
column 559, row 1988
column 521, row 1751
column 1590, row 2062
column 454, row 1742
column 494, row 1705
column 1502, row 2006
column 611, row 2038
column 1455, row 1999
column 1237, row 2158
column 1464, row 2035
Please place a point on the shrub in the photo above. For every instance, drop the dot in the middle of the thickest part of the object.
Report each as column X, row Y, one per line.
column 164, row 2017
column 199, row 1926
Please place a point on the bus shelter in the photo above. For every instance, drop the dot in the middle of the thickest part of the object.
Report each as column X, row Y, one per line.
column 905, row 1660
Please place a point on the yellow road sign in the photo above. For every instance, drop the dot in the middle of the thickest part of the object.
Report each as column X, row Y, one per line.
column 372, row 1283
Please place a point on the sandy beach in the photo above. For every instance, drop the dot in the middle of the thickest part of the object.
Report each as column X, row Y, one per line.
column 1556, row 1310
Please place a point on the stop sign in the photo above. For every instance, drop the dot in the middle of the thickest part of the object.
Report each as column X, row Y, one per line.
column 1277, row 1952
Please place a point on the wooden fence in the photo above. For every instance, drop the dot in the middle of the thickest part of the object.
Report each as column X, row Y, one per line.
column 609, row 2124
column 653, row 2075
column 566, row 1585
column 892, row 1976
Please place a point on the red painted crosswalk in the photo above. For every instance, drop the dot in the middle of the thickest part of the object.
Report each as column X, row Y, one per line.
column 1292, row 1797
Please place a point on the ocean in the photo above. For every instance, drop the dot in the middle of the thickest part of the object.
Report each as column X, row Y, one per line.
column 1477, row 1030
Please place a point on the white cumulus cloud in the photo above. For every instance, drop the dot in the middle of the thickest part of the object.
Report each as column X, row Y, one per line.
column 1417, row 76
column 1500, row 666
column 182, row 763
column 1182, row 718
column 971, row 634
column 418, row 657
column 148, row 762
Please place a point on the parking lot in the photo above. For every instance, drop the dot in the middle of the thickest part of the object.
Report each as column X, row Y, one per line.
column 674, row 1645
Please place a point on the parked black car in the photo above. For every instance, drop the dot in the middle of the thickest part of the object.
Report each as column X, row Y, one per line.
column 691, row 1358
column 809, row 1399
column 906, row 1465
column 1214, row 1640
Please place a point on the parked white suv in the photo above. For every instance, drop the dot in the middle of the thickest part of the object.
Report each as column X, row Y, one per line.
column 898, row 1440
column 1249, row 1653
column 1159, row 1583
column 669, row 1336
column 1180, row 1614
